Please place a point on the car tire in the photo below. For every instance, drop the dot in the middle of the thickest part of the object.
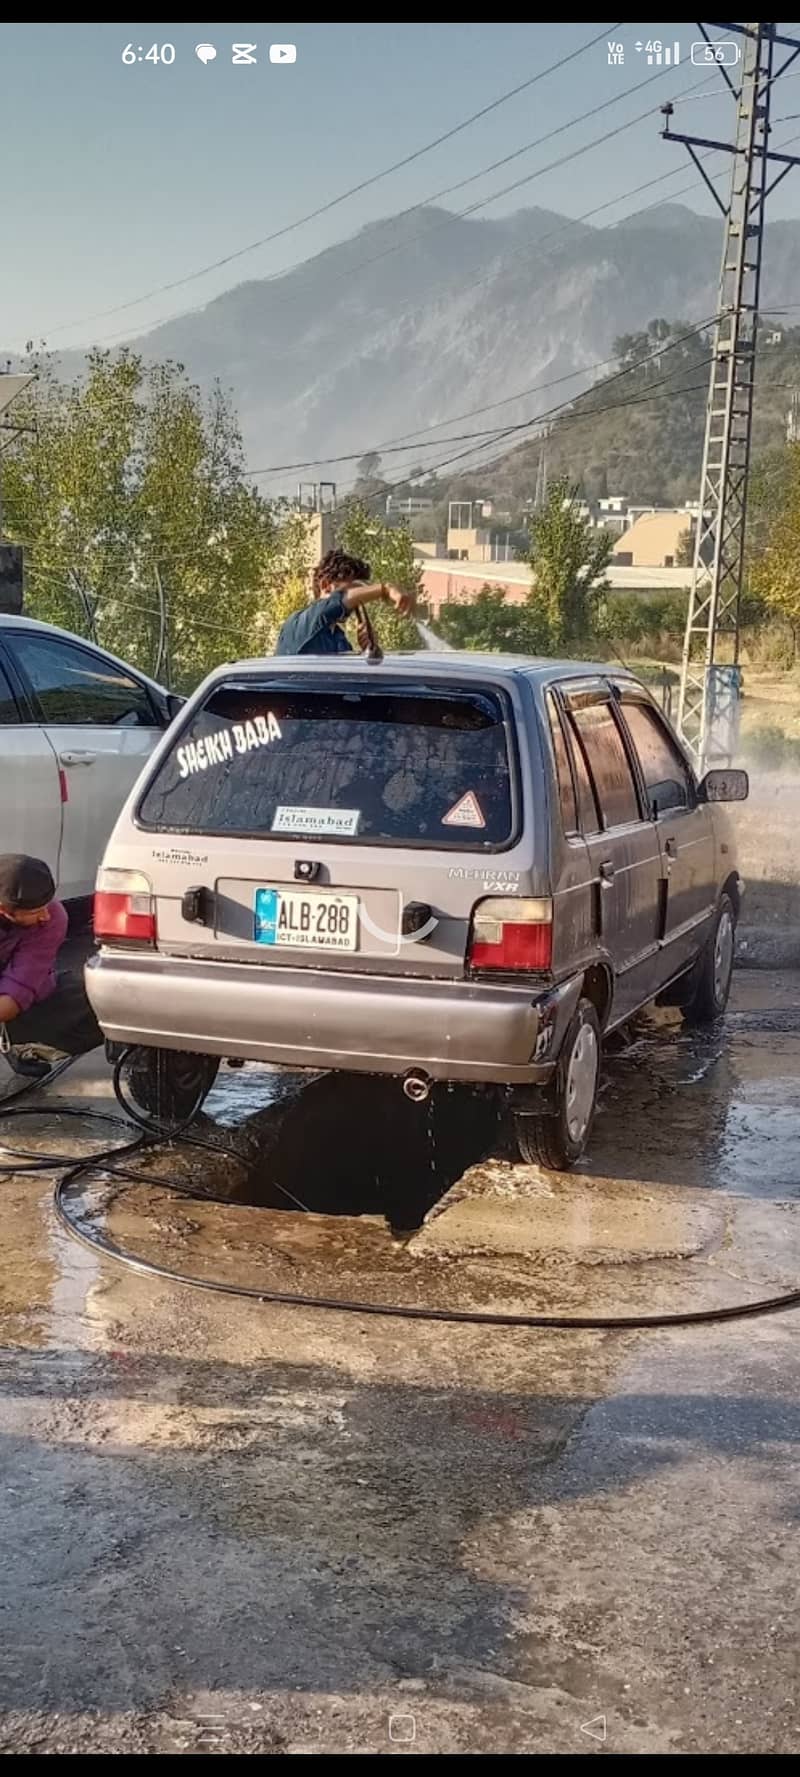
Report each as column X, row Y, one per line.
column 711, row 977
column 170, row 1084
column 558, row 1140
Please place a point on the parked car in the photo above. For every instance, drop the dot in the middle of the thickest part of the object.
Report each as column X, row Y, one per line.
column 76, row 726
column 445, row 867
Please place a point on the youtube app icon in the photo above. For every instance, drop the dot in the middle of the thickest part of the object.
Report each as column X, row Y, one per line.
column 283, row 52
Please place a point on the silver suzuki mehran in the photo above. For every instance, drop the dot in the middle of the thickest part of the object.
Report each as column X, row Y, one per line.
column 452, row 867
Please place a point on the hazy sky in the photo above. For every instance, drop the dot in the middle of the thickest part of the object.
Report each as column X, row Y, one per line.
column 117, row 179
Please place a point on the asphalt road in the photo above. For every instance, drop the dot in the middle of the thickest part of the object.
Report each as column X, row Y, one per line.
column 231, row 1527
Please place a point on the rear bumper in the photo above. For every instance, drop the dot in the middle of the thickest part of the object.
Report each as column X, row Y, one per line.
column 454, row 1030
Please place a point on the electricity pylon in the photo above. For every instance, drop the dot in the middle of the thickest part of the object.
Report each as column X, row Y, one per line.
column 709, row 690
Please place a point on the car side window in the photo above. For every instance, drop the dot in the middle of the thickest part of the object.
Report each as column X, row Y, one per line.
column 9, row 710
column 74, row 687
column 608, row 764
column 587, row 801
column 664, row 769
column 566, row 787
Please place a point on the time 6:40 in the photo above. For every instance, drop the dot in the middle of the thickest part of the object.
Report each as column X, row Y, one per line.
column 158, row 52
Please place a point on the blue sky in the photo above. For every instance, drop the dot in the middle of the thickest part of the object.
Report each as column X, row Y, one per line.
column 117, row 179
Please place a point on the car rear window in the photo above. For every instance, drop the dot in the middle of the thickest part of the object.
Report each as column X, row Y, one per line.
column 392, row 766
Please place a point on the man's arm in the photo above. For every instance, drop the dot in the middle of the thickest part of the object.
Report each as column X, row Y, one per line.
column 298, row 631
column 361, row 594
column 28, row 974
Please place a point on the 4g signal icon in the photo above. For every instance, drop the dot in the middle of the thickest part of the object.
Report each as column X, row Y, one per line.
column 658, row 54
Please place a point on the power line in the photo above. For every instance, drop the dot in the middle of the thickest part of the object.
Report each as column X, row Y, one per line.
column 533, row 420
column 592, row 413
column 458, row 437
column 113, row 599
column 656, row 395
column 448, row 221
column 165, row 556
column 352, row 191
column 416, row 442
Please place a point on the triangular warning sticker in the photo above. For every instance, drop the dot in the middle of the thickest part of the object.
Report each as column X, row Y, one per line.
column 465, row 813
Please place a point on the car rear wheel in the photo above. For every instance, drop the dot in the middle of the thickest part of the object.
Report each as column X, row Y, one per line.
column 170, row 1084
column 558, row 1140
column 713, row 970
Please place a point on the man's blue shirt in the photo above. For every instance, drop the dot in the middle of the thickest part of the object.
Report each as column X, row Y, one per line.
column 315, row 630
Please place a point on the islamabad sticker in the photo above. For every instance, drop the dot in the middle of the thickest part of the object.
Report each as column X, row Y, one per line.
column 336, row 822
column 465, row 813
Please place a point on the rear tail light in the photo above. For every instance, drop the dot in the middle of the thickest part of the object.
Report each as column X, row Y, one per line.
column 124, row 909
column 512, row 935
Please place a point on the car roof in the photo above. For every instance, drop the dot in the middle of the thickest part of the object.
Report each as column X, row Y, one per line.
column 7, row 621
column 459, row 663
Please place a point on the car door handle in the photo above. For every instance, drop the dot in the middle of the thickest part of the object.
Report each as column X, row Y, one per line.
column 76, row 758
column 671, row 848
column 607, row 873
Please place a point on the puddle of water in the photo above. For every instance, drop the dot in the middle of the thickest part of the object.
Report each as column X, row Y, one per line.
column 717, row 1111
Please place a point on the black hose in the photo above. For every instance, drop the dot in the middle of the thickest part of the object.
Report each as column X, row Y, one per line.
column 151, row 1133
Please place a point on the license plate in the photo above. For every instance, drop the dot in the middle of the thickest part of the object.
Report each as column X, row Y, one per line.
column 306, row 921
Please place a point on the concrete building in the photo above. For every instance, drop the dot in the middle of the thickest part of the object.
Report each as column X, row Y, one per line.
column 653, row 540
column 410, row 507
column 467, row 537
column 449, row 582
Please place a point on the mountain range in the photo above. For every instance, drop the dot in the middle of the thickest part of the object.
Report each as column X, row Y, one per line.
column 426, row 314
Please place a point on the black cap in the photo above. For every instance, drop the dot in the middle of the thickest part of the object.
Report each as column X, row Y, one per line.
column 25, row 882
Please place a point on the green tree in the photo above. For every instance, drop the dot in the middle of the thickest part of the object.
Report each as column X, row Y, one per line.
column 685, row 555
column 128, row 493
column 488, row 624
column 389, row 550
column 287, row 576
column 773, row 578
column 568, row 562
column 369, row 468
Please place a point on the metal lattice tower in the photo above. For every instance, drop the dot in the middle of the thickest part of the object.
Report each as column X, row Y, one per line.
column 709, row 689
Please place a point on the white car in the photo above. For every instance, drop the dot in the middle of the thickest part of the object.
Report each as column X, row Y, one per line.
column 76, row 726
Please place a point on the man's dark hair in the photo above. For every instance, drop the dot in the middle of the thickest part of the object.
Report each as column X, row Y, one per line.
column 25, row 883
column 338, row 566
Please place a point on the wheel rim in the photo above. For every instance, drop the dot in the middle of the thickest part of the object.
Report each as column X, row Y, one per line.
column 723, row 956
column 581, row 1082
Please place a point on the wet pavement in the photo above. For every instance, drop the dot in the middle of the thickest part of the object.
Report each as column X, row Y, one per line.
column 230, row 1526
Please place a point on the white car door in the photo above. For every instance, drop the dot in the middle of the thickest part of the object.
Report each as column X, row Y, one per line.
column 102, row 723
column 30, row 792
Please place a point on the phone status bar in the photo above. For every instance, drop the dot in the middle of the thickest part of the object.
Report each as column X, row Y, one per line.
column 235, row 55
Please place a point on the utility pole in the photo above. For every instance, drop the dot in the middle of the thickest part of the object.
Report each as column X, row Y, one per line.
column 540, row 492
column 793, row 419
column 11, row 569
column 708, row 706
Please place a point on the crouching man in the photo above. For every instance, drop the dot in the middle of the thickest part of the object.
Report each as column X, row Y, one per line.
column 33, row 926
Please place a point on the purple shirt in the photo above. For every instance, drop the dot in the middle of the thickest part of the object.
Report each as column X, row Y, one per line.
column 27, row 957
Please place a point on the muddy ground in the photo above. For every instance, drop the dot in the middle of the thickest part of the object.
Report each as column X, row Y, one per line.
column 232, row 1526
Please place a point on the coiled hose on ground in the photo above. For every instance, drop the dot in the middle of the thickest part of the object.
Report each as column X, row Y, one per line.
column 113, row 1160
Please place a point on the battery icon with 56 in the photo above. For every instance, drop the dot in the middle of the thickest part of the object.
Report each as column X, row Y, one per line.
column 714, row 55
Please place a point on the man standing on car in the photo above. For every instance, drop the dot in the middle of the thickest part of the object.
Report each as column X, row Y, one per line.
column 33, row 926
column 341, row 585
